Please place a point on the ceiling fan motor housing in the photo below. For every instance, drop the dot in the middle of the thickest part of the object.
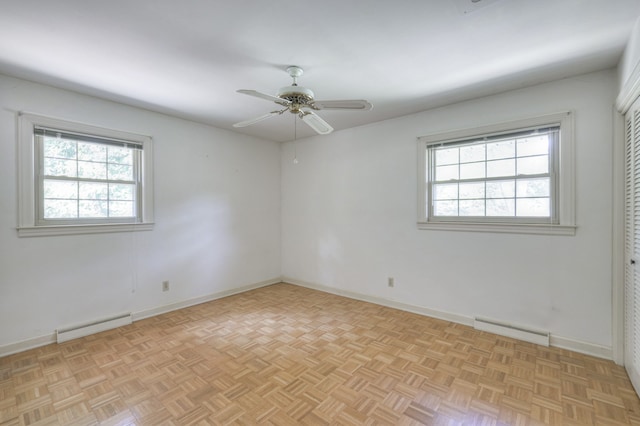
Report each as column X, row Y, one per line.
column 296, row 94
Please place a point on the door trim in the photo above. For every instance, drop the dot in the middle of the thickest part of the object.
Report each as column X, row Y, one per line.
column 618, row 257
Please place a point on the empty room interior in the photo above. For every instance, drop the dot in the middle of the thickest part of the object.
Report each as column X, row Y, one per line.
column 337, row 212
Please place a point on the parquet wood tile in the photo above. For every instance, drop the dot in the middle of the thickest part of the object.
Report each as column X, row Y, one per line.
column 285, row 355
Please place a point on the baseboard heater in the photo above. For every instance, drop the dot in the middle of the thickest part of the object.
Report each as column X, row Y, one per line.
column 81, row 330
column 517, row 332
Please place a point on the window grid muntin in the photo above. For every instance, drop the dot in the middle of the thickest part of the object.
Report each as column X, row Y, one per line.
column 553, row 135
column 135, row 148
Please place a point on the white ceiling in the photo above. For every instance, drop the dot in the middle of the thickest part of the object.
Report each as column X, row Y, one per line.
column 187, row 58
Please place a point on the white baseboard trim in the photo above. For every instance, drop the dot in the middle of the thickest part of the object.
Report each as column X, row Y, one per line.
column 587, row 348
column 25, row 345
column 147, row 313
column 593, row 349
column 36, row 342
column 421, row 310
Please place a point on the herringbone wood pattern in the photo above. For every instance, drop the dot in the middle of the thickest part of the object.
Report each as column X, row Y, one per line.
column 286, row 355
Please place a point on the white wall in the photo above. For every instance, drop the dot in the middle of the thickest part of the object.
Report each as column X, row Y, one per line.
column 348, row 216
column 217, row 214
column 349, row 211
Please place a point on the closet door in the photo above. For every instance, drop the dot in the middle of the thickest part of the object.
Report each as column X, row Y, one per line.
column 632, row 245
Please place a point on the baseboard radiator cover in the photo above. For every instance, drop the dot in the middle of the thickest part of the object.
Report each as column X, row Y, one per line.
column 514, row 331
column 73, row 332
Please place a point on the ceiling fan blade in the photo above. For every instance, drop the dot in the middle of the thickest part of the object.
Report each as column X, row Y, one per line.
column 316, row 123
column 257, row 119
column 348, row 104
column 261, row 95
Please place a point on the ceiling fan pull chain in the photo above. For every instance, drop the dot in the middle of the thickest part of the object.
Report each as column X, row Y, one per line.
column 295, row 139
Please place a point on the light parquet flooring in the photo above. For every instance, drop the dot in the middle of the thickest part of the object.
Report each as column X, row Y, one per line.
column 286, row 355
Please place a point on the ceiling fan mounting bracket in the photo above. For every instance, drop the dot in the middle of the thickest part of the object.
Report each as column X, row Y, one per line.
column 295, row 71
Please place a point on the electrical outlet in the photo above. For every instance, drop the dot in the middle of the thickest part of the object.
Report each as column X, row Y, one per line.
column 391, row 282
column 165, row 285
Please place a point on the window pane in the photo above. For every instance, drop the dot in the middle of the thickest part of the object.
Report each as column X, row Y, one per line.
column 446, row 172
column 121, row 209
column 446, row 156
column 472, row 153
column 55, row 167
column 497, row 150
column 533, row 187
column 90, row 170
column 120, row 155
column 92, row 152
column 89, row 208
column 471, row 207
column 501, row 168
column 120, row 172
column 498, row 207
column 59, row 148
column 533, row 165
column 60, row 189
column 447, row 191
column 533, row 207
column 534, row 145
column 445, row 208
column 60, row 209
column 471, row 190
column 121, row 192
column 501, row 189
column 93, row 191
column 472, row 170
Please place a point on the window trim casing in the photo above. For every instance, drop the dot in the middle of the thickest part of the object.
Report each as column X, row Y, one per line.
column 565, row 181
column 27, row 179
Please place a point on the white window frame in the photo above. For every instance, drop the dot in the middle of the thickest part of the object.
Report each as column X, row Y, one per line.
column 29, row 224
column 564, row 210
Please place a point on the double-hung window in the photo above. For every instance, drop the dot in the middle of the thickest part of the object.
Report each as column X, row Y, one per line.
column 77, row 178
column 505, row 178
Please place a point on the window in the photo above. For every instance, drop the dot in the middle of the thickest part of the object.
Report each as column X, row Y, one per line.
column 76, row 178
column 504, row 178
column 85, row 179
column 507, row 176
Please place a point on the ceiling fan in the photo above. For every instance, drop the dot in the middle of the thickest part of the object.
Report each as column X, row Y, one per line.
column 300, row 101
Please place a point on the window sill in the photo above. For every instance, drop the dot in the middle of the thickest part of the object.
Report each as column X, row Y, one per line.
column 43, row 231
column 537, row 229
